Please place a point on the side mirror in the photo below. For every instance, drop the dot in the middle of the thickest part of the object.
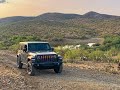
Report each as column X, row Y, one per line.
column 52, row 49
column 25, row 50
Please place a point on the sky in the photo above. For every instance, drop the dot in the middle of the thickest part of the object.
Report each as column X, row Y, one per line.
column 10, row 8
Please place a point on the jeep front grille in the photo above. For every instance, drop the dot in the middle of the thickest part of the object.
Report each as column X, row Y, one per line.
column 46, row 58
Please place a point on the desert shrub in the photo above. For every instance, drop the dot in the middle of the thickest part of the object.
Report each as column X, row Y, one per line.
column 118, row 56
column 17, row 39
column 83, row 54
column 112, row 52
column 14, row 47
column 72, row 54
column 2, row 46
column 14, row 40
column 111, row 42
column 97, row 55
column 61, row 51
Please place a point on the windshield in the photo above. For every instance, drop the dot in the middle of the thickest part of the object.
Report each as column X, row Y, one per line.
column 38, row 47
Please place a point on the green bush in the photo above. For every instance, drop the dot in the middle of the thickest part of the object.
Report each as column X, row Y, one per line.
column 111, row 42
column 72, row 54
column 14, row 47
column 109, row 51
column 2, row 46
column 14, row 40
column 97, row 55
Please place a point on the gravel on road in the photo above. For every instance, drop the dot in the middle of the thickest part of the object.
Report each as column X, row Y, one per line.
column 72, row 78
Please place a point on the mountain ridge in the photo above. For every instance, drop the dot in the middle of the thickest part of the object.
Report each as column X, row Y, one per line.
column 59, row 16
column 58, row 26
column 96, row 15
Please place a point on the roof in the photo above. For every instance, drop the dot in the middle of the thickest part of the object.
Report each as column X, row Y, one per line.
column 32, row 42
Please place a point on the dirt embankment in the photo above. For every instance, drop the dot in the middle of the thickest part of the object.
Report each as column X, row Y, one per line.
column 74, row 77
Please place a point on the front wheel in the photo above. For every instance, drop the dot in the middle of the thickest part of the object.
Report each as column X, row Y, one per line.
column 30, row 69
column 58, row 69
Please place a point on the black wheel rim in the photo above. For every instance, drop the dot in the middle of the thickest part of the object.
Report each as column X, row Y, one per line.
column 29, row 69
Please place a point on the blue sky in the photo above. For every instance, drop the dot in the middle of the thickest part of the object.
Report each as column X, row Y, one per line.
column 37, row 7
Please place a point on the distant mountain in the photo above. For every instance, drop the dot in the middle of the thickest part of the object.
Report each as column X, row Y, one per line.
column 14, row 19
column 57, row 26
column 57, row 16
column 99, row 16
column 46, row 17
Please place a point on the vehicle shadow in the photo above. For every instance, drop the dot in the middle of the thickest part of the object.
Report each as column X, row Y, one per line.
column 44, row 72
column 49, row 72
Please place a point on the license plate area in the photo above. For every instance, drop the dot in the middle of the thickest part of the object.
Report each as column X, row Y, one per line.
column 46, row 58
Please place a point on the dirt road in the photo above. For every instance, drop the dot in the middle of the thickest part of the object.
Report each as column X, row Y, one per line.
column 72, row 78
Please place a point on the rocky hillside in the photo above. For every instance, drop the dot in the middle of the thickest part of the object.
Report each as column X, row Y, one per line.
column 58, row 26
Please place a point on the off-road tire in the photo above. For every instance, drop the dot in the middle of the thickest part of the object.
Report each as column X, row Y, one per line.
column 58, row 69
column 19, row 63
column 30, row 69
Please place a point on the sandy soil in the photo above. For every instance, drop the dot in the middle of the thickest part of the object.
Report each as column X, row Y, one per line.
column 84, row 76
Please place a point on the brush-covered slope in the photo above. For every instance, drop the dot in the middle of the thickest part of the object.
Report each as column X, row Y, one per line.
column 60, row 26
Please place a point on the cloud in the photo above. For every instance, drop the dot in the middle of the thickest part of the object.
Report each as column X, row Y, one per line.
column 2, row 1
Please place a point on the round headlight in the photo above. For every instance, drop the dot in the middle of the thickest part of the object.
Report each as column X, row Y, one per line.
column 60, row 57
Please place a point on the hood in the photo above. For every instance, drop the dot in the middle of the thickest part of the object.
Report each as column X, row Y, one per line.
column 41, row 53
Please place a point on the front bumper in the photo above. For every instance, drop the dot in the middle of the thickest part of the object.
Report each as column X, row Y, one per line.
column 47, row 65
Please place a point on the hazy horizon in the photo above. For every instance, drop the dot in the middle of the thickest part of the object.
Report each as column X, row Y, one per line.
column 10, row 8
column 55, row 12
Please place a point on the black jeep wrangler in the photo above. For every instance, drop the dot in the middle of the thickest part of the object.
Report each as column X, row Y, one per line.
column 38, row 55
